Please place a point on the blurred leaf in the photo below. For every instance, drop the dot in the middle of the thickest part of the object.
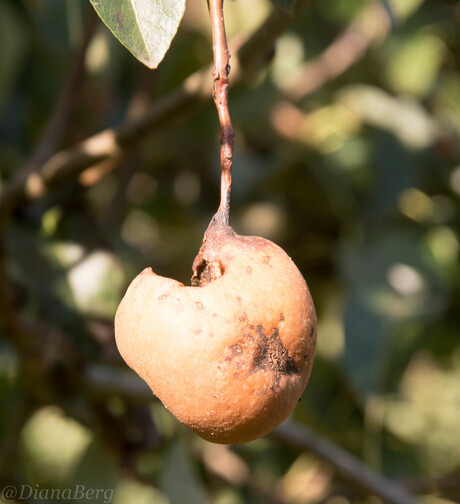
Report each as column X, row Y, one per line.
column 403, row 8
column 53, row 445
column 391, row 281
column 13, row 44
column 448, row 98
column 287, row 5
column 365, row 347
column 145, row 28
column 96, row 282
column 403, row 116
column 43, row 275
column 342, row 11
column 413, row 64
column 178, row 480
column 133, row 491
column 426, row 414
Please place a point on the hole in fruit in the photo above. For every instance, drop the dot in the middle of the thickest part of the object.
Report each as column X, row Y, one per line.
column 206, row 273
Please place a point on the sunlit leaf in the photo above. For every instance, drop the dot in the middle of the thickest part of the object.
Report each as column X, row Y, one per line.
column 144, row 27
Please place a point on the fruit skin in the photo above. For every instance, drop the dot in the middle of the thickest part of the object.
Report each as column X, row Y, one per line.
column 230, row 358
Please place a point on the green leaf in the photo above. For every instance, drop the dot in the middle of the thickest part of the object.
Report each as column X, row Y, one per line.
column 144, row 27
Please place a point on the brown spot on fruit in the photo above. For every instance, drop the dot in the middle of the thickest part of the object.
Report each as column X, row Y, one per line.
column 162, row 297
column 236, row 349
column 244, row 381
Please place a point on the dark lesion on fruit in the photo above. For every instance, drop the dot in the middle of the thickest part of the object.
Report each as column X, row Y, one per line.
column 258, row 350
column 273, row 354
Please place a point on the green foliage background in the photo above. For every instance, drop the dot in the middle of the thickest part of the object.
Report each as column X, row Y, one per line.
column 359, row 181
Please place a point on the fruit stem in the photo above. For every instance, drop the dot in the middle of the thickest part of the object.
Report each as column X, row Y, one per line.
column 220, row 95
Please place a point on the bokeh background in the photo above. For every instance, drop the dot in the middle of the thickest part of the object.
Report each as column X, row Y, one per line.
column 347, row 155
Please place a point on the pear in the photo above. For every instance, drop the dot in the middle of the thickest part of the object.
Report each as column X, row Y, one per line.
column 230, row 355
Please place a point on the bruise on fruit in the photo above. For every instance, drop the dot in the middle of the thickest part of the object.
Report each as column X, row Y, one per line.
column 206, row 273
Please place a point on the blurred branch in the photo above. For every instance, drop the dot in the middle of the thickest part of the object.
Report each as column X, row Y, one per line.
column 68, row 95
column 56, row 125
column 105, row 380
column 348, row 466
column 344, row 52
column 112, row 143
column 351, row 468
column 447, row 486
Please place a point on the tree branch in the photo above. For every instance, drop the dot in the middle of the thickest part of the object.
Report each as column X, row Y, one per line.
column 348, row 466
